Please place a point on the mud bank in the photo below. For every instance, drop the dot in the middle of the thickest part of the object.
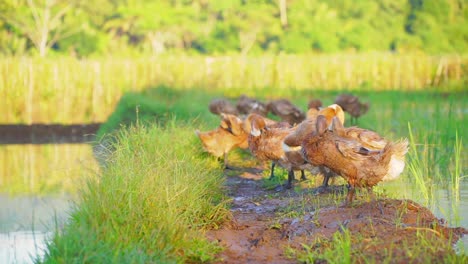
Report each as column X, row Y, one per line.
column 273, row 227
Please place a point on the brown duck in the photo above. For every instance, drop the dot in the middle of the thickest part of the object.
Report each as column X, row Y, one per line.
column 246, row 105
column 292, row 143
column 352, row 105
column 287, row 111
column 314, row 103
column 258, row 147
column 349, row 158
column 228, row 136
column 265, row 143
column 220, row 106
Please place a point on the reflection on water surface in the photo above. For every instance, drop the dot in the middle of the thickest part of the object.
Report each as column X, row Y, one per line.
column 26, row 222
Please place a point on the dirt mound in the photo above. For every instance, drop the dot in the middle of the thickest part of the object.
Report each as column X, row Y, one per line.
column 283, row 227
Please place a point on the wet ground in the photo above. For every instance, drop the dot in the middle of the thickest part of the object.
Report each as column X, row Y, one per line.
column 47, row 133
column 282, row 227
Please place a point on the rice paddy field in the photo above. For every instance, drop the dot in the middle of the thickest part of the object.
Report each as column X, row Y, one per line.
column 38, row 90
column 159, row 192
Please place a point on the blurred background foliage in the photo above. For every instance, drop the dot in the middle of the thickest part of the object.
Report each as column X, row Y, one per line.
column 213, row 27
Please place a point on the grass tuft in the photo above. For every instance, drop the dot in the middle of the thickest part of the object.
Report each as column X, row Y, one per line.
column 151, row 203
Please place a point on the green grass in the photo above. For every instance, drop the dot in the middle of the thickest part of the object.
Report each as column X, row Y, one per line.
column 158, row 106
column 347, row 247
column 336, row 250
column 149, row 205
column 159, row 192
column 436, row 119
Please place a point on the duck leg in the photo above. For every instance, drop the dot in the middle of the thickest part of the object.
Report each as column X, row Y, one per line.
column 226, row 166
column 371, row 193
column 326, row 177
column 303, row 177
column 349, row 196
column 290, row 179
column 272, row 174
column 374, row 198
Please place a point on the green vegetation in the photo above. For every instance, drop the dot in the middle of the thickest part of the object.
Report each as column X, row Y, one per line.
column 149, row 205
column 346, row 247
column 159, row 192
column 436, row 120
column 336, row 250
column 50, row 91
column 158, row 106
column 150, row 69
column 219, row 27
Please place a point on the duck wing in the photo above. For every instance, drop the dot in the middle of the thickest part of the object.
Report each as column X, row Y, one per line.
column 352, row 149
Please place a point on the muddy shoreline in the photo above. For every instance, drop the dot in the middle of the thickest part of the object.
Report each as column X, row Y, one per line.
column 47, row 133
column 266, row 225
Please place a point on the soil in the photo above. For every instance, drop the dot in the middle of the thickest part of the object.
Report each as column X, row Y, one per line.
column 47, row 133
column 268, row 226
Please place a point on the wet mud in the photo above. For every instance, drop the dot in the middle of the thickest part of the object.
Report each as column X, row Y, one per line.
column 268, row 226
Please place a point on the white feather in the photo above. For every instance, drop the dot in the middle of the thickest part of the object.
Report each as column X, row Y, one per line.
column 395, row 168
column 255, row 132
column 287, row 148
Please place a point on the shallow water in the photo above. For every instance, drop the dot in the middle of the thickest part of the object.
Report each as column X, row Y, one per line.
column 23, row 246
column 26, row 222
column 455, row 212
column 442, row 203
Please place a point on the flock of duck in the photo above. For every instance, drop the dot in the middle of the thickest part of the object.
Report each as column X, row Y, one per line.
column 316, row 140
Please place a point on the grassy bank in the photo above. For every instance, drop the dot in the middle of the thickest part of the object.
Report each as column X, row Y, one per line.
column 50, row 91
column 160, row 105
column 434, row 122
column 436, row 119
column 159, row 191
column 149, row 205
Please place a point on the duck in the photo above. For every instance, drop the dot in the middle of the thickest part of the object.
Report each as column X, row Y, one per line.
column 352, row 105
column 265, row 143
column 286, row 110
column 291, row 146
column 220, row 106
column 268, row 124
column 370, row 140
column 229, row 135
column 359, row 166
column 292, row 143
column 312, row 113
column 246, row 105
column 330, row 112
column 314, row 104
